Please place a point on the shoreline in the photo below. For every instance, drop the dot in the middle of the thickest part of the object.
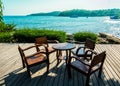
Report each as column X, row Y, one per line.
column 103, row 38
column 108, row 38
column 96, row 24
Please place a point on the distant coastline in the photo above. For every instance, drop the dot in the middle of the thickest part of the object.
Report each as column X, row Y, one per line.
column 81, row 13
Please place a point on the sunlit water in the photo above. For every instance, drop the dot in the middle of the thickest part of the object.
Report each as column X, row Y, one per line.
column 67, row 24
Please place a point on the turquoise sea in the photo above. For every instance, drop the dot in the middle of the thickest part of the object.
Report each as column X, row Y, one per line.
column 67, row 24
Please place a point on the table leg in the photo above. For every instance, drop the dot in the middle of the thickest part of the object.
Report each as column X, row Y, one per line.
column 68, row 55
column 59, row 56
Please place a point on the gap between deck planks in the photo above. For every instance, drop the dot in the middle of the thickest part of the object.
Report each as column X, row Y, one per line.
column 12, row 74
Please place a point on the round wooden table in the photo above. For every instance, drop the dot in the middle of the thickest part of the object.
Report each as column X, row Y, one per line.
column 59, row 47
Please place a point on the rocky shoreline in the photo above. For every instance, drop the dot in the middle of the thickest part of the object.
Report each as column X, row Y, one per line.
column 103, row 38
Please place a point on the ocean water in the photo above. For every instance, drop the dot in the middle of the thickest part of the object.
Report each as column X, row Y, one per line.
column 67, row 24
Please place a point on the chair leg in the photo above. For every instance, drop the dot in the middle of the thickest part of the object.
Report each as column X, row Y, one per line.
column 47, row 68
column 99, row 74
column 37, row 49
column 69, row 71
column 87, row 81
column 28, row 71
column 23, row 64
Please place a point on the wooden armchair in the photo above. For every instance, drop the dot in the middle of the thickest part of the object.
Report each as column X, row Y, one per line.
column 34, row 58
column 80, row 51
column 43, row 41
column 87, row 67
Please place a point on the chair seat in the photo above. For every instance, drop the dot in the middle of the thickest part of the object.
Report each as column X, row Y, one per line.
column 82, row 67
column 36, row 59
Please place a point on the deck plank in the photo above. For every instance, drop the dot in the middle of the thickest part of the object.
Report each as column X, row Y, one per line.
column 109, row 68
column 12, row 73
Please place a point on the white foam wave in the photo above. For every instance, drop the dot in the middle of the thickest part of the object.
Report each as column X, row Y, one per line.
column 115, row 31
column 112, row 21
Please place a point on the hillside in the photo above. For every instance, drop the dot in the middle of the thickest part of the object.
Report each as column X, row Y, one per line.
column 54, row 13
column 81, row 13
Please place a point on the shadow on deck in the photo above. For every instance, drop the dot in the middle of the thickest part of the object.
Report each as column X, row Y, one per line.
column 11, row 73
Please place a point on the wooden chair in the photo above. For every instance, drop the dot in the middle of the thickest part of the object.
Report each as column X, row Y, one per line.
column 80, row 51
column 87, row 68
column 34, row 58
column 43, row 41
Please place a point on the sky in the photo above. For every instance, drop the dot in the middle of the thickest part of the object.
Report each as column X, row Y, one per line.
column 25, row 7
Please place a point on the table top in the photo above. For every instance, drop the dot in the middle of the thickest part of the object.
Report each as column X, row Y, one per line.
column 63, row 46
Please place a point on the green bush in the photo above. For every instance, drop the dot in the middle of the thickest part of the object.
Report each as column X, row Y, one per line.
column 82, row 36
column 6, row 37
column 29, row 35
column 6, row 27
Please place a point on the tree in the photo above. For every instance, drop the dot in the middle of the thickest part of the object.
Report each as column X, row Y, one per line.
column 1, row 11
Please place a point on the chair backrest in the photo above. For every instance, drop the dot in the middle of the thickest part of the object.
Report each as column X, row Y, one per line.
column 98, row 59
column 90, row 44
column 41, row 40
column 21, row 51
column 22, row 55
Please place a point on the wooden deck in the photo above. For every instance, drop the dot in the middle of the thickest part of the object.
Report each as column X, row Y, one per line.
column 12, row 73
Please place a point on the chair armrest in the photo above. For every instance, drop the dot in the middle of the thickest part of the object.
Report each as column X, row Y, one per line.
column 92, row 52
column 42, row 45
column 82, row 61
column 28, row 48
column 28, row 56
column 79, row 49
column 39, row 52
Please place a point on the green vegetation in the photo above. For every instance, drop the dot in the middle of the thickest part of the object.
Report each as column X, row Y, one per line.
column 81, row 13
column 29, row 35
column 6, row 27
column 6, row 37
column 54, row 13
column 1, row 11
column 88, row 13
column 6, row 32
column 81, row 36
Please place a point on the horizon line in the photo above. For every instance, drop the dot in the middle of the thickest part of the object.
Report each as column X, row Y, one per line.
column 56, row 10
